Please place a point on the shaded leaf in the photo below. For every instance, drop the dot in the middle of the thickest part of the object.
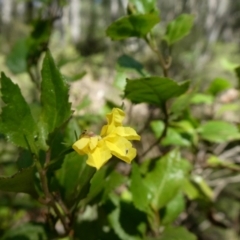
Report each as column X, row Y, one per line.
column 178, row 233
column 113, row 218
column 16, row 120
column 26, row 231
column 153, row 90
column 219, row 131
column 22, row 181
column 173, row 209
column 179, row 28
column 132, row 26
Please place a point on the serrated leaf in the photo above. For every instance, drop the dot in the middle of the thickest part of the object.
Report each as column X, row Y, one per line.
column 16, row 120
column 137, row 25
column 173, row 209
column 179, row 28
column 178, row 233
column 166, row 178
column 22, row 181
column 144, row 6
column 219, row 131
column 140, row 192
column 54, row 95
column 153, row 90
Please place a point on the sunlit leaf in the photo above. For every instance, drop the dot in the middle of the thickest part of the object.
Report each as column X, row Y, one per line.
column 218, row 85
column 166, row 178
column 54, row 95
column 179, row 28
column 140, row 192
column 144, row 6
column 16, row 120
column 219, row 131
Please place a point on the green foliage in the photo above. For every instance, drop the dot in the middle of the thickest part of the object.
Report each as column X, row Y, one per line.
column 218, row 131
column 153, row 90
column 178, row 28
column 23, row 181
column 23, row 132
column 132, row 26
column 184, row 166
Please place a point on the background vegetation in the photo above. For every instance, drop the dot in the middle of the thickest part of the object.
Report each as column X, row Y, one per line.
column 182, row 96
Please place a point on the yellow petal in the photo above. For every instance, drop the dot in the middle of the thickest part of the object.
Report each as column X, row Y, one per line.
column 93, row 142
column 116, row 117
column 99, row 156
column 120, row 147
column 127, row 132
column 81, row 146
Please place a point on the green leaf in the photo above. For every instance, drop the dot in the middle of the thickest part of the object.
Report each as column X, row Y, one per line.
column 16, row 59
column 179, row 28
column 69, row 176
column 218, row 85
column 181, row 103
column 178, row 233
column 203, row 186
column 109, row 181
column 237, row 72
column 153, row 90
column 22, row 181
column 166, row 178
column 144, row 6
column 54, row 96
column 201, row 98
column 26, row 231
column 16, row 120
column 219, row 131
column 214, row 161
column 139, row 190
column 173, row 209
column 128, row 62
column 190, row 189
column 113, row 218
column 172, row 137
column 132, row 26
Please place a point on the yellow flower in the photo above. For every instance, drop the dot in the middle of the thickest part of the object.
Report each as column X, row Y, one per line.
column 113, row 140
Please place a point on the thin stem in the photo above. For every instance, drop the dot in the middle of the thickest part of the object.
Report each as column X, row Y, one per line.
column 164, row 132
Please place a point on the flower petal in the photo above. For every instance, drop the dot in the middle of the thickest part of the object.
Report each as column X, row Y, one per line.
column 81, row 146
column 99, row 156
column 93, row 142
column 120, row 147
column 116, row 117
column 127, row 132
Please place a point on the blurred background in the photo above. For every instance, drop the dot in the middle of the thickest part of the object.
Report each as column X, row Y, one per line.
column 95, row 69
